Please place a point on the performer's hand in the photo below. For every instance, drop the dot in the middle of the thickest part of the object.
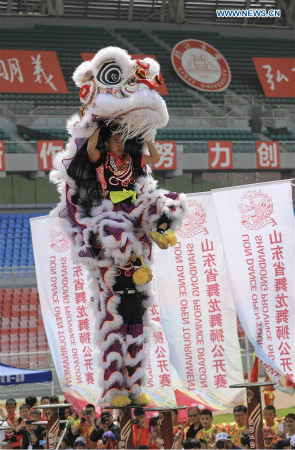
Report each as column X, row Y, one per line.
column 105, row 194
column 2, row 414
column 92, row 141
column 92, row 151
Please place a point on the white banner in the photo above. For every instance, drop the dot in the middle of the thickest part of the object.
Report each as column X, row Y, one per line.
column 197, row 311
column 69, row 322
column 257, row 230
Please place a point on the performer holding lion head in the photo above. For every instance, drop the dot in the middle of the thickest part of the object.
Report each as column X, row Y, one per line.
column 112, row 209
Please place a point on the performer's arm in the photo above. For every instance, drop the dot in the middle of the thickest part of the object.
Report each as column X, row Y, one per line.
column 92, row 151
column 153, row 156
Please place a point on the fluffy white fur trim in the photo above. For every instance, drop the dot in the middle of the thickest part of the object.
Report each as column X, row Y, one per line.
column 138, row 376
column 112, row 393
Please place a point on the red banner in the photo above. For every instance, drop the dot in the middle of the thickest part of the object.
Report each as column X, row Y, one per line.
column 2, row 157
column 220, row 155
column 162, row 90
column 46, row 153
column 167, row 152
column 267, row 155
column 31, row 71
column 277, row 76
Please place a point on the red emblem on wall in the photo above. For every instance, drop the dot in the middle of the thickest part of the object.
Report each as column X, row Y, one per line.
column 167, row 152
column 220, row 155
column 194, row 221
column 60, row 243
column 2, row 157
column 256, row 208
column 200, row 65
column 267, row 155
column 46, row 153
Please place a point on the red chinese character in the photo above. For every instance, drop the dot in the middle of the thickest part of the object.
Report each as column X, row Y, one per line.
column 284, row 348
column 81, row 312
column 277, row 252
column 163, row 365
column 282, row 332
column 286, row 364
column 211, row 275
column 80, row 297
column 216, row 335
column 156, row 319
column 206, row 246
column 85, row 338
column 160, row 352
column 217, row 350
column 279, row 269
column 154, row 310
column 89, row 378
column 209, row 260
column 281, row 284
column 282, row 315
column 215, row 320
column 281, row 301
column 219, row 364
column 158, row 337
column 83, row 324
column 87, row 352
column 88, row 364
column 165, row 380
column 220, row 381
column 275, row 238
column 213, row 306
column 213, row 289
column 77, row 271
column 79, row 284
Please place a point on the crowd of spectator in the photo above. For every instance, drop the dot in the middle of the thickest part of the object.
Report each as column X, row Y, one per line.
column 89, row 430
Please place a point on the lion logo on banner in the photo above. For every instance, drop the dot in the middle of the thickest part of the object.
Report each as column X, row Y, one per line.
column 59, row 241
column 193, row 223
column 256, row 208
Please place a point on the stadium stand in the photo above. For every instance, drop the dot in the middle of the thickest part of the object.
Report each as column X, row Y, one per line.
column 21, row 325
column 238, row 52
column 16, row 242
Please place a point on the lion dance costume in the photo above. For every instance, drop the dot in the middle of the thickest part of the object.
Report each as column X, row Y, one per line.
column 115, row 89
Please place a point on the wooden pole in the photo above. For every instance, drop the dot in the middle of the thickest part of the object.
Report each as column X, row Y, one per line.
column 255, row 419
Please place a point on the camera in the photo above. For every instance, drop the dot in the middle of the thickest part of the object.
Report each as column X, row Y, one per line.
column 135, row 421
column 87, row 413
column 104, row 420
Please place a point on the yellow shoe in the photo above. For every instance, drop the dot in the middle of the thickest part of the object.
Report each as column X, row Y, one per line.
column 120, row 401
column 170, row 238
column 143, row 274
column 143, row 399
column 159, row 239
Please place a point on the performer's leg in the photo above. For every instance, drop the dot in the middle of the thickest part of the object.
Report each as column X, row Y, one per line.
column 112, row 377
column 134, row 360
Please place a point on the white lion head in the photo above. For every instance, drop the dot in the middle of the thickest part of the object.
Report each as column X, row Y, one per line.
column 115, row 87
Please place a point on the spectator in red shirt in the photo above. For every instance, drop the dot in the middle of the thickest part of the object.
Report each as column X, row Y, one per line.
column 140, row 428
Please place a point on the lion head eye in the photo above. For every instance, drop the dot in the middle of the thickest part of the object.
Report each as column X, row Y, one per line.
column 109, row 74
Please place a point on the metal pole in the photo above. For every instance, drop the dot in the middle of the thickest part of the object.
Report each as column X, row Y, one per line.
column 248, row 360
column 130, row 9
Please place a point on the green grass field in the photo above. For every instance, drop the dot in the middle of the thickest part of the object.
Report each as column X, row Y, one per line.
column 224, row 418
